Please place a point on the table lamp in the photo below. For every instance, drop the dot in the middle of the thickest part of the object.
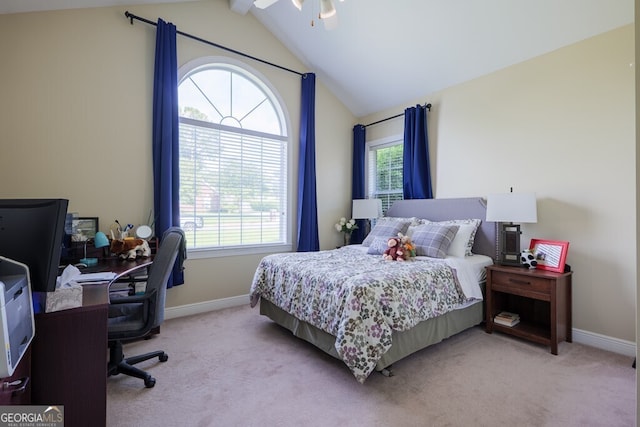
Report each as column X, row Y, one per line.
column 99, row 241
column 508, row 209
column 366, row 209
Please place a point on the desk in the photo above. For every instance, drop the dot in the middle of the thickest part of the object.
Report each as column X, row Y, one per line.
column 16, row 389
column 76, row 250
column 69, row 353
column 69, row 359
column 114, row 264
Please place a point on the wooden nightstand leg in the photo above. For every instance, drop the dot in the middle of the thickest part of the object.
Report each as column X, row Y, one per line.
column 569, row 314
column 488, row 308
column 553, row 306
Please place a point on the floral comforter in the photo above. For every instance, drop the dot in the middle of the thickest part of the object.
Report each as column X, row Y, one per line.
column 358, row 298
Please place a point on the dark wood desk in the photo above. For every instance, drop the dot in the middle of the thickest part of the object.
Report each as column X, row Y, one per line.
column 69, row 359
column 16, row 389
column 69, row 352
column 115, row 264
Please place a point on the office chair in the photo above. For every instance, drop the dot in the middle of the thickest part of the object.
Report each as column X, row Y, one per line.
column 132, row 317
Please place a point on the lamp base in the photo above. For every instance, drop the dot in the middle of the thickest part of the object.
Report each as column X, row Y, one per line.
column 510, row 244
column 89, row 262
column 510, row 259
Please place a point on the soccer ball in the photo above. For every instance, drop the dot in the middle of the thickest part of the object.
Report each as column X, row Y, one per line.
column 527, row 259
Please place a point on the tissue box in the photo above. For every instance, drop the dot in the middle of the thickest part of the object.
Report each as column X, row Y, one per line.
column 64, row 298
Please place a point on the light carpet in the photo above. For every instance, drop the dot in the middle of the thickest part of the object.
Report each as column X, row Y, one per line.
column 234, row 367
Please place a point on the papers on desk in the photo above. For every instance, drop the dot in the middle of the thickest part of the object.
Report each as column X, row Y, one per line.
column 105, row 276
column 71, row 276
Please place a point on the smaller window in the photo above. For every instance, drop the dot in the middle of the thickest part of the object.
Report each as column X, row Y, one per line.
column 384, row 172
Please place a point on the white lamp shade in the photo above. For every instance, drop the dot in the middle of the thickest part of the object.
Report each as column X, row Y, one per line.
column 366, row 209
column 512, row 207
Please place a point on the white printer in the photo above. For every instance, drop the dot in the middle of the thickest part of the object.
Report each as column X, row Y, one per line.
column 16, row 314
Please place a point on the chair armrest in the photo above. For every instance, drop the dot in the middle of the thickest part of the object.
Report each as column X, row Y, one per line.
column 127, row 276
column 143, row 298
column 130, row 271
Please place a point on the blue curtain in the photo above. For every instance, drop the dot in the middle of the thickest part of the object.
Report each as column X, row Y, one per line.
column 307, row 201
column 165, row 137
column 416, row 174
column 358, row 190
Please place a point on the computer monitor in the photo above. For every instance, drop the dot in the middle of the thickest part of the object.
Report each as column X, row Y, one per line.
column 31, row 232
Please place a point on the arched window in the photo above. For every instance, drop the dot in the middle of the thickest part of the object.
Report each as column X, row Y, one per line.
column 233, row 158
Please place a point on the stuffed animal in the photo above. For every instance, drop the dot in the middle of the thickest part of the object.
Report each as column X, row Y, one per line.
column 528, row 259
column 407, row 244
column 130, row 248
column 394, row 251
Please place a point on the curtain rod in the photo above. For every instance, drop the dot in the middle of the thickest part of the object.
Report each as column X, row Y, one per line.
column 428, row 106
column 146, row 21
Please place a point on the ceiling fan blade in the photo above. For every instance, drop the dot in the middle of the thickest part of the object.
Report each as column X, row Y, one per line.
column 327, row 9
column 331, row 22
column 263, row 4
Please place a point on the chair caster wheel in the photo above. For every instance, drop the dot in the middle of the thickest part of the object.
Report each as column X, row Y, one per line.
column 149, row 382
column 163, row 358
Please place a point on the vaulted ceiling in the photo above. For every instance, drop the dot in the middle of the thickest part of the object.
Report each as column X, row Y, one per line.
column 383, row 53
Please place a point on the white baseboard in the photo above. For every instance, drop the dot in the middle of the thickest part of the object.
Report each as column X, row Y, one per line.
column 204, row 307
column 615, row 345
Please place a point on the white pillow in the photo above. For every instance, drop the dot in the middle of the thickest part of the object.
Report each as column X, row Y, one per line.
column 458, row 247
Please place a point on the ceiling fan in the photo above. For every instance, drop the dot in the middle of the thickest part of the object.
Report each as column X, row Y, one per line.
column 327, row 10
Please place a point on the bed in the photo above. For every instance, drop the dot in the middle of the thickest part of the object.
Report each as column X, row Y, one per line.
column 370, row 313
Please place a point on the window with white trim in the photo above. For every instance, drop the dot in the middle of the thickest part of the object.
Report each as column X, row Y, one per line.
column 384, row 171
column 233, row 159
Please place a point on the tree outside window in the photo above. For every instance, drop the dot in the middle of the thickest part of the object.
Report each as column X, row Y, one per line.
column 233, row 159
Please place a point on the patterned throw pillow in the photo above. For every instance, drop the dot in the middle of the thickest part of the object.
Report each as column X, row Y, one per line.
column 415, row 222
column 378, row 246
column 464, row 231
column 433, row 239
column 387, row 227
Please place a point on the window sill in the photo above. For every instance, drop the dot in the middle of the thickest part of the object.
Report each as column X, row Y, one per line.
column 236, row 251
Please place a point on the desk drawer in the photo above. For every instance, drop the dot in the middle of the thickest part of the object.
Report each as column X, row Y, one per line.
column 521, row 282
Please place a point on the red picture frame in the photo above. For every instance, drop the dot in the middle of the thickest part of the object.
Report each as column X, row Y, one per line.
column 551, row 255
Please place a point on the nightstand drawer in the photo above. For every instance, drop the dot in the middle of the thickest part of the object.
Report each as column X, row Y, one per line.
column 521, row 282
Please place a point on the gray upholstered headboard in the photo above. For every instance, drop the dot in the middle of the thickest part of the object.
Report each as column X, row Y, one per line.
column 486, row 241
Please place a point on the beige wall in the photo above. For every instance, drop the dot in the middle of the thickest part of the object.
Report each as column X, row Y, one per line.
column 75, row 118
column 562, row 125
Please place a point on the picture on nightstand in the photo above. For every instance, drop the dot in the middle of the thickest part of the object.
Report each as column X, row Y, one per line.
column 550, row 255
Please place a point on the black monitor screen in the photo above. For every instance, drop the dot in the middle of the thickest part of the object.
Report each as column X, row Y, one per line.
column 31, row 232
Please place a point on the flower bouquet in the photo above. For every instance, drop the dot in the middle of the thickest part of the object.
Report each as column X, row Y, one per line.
column 346, row 227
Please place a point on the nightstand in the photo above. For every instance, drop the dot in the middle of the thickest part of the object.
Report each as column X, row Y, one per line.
column 541, row 298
